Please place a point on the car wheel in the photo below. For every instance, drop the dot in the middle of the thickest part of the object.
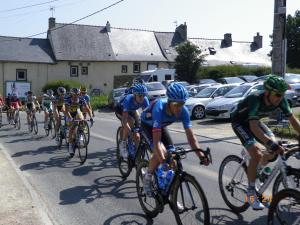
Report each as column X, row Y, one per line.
column 198, row 112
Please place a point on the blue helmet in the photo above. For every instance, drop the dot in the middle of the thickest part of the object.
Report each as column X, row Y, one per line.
column 177, row 93
column 140, row 89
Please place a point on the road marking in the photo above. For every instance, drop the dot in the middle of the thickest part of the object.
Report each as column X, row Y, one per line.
column 102, row 137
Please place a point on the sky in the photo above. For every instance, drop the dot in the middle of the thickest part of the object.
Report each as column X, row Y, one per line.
column 204, row 18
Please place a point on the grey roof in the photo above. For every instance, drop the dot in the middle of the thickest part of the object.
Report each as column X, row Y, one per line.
column 35, row 50
column 135, row 45
column 81, row 42
column 239, row 53
column 168, row 42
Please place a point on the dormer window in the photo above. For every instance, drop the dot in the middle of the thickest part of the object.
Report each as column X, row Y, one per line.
column 212, row 51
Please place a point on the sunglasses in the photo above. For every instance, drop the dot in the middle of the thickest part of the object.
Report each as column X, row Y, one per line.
column 140, row 95
column 278, row 95
column 177, row 104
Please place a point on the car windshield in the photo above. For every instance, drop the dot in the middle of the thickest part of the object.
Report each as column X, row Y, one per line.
column 231, row 80
column 118, row 93
column 207, row 81
column 237, row 92
column 292, row 78
column 205, row 93
column 155, row 86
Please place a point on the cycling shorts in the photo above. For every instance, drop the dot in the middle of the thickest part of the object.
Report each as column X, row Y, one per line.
column 132, row 114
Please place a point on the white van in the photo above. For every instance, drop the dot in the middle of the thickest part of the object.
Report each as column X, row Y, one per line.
column 157, row 75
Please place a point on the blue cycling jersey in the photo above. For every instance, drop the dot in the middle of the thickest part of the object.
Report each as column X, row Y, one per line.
column 86, row 98
column 156, row 116
column 129, row 104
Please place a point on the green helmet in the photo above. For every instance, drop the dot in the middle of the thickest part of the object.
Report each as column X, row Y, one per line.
column 276, row 84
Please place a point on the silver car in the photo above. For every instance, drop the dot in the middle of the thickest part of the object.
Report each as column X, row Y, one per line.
column 114, row 96
column 196, row 105
column 155, row 90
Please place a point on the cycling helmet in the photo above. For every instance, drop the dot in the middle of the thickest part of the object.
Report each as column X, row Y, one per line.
column 83, row 89
column 29, row 93
column 140, row 89
column 276, row 84
column 61, row 90
column 177, row 93
column 45, row 95
column 50, row 92
column 75, row 91
column 14, row 95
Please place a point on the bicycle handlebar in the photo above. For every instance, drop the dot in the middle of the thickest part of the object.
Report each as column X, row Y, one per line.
column 180, row 151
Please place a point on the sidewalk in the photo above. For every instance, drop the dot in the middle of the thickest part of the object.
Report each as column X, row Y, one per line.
column 16, row 203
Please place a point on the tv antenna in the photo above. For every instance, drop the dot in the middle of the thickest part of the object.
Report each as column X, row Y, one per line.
column 52, row 9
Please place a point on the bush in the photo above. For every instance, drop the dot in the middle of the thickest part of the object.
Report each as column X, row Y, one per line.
column 67, row 84
column 215, row 72
column 99, row 101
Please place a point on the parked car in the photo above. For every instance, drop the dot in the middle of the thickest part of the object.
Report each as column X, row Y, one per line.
column 114, row 96
column 248, row 78
column 196, row 105
column 207, row 81
column 222, row 107
column 156, row 90
column 183, row 83
column 166, row 82
column 195, row 89
column 230, row 80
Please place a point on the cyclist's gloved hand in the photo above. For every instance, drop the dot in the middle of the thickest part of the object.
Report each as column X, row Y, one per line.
column 275, row 147
column 204, row 160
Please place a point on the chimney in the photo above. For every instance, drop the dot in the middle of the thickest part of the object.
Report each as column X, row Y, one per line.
column 51, row 23
column 227, row 41
column 258, row 40
column 107, row 26
column 182, row 31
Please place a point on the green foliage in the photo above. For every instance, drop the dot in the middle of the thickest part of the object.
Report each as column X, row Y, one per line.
column 188, row 62
column 294, row 70
column 99, row 101
column 215, row 72
column 67, row 84
column 293, row 40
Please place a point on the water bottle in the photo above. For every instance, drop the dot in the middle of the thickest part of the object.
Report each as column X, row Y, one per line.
column 168, row 180
column 265, row 173
column 161, row 175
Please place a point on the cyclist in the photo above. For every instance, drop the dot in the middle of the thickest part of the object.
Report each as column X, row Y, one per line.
column 59, row 106
column 7, row 105
column 15, row 104
column 73, row 105
column 155, row 120
column 47, row 106
column 245, row 120
column 126, row 112
column 31, row 104
column 83, row 94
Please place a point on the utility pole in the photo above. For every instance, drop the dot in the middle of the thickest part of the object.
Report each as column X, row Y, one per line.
column 279, row 38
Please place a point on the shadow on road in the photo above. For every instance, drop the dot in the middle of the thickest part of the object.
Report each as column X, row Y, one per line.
column 104, row 186
column 41, row 150
column 128, row 218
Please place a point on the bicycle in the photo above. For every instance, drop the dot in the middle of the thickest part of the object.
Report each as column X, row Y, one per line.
column 233, row 181
column 285, row 208
column 33, row 124
column 17, row 119
column 185, row 193
column 136, row 154
column 62, row 133
column 0, row 116
column 80, row 140
column 51, row 125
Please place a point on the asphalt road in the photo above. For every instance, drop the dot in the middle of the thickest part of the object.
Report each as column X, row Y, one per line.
column 95, row 193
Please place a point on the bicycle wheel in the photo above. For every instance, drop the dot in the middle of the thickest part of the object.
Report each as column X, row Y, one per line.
column 51, row 127
column 59, row 138
column 150, row 205
column 119, row 135
column 285, row 208
column 124, row 165
column 293, row 176
column 189, row 203
column 86, row 130
column 234, row 189
column 18, row 121
column 81, row 146
column 35, row 125
column 0, row 117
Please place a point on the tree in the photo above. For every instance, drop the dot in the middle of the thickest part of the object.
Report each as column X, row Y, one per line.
column 293, row 40
column 188, row 61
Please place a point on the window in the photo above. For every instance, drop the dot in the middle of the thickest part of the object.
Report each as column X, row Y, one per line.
column 124, row 68
column 154, row 77
column 136, row 67
column 168, row 77
column 74, row 71
column 21, row 74
column 84, row 70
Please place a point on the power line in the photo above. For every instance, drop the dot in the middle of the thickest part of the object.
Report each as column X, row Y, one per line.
column 27, row 6
column 101, row 10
